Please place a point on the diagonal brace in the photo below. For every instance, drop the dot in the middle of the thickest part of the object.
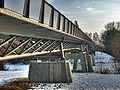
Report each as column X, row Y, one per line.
column 32, row 46
column 40, row 46
column 49, row 45
column 19, row 46
column 8, row 40
column 10, row 44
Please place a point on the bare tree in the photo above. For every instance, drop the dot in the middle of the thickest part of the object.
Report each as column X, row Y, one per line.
column 111, row 40
column 96, row 38
column 89, row 34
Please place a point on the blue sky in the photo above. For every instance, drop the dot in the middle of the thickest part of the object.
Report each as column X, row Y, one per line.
column 91, row 15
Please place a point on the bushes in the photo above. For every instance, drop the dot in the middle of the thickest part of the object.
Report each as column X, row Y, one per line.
column 111, row 41
column 116, row 67
column 2, row 65
column 103, row 71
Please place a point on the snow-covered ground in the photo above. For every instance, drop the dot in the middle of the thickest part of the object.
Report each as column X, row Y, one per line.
column 102, row 57
column 17, row 67
column 15, row 71
column 94, row 82
column 81, row 80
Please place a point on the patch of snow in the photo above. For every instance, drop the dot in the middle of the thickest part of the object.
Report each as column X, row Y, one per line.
column 102, row 57
column 15, row 71
column 18, row 67
column 5, row 75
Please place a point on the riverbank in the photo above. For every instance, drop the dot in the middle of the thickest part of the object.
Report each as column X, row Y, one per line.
column 80, row 80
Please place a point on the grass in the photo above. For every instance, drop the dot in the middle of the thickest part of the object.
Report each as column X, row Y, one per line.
column 16, row 84
column 18, row 81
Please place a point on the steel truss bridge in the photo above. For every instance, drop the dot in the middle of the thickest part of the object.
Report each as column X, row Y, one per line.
column 35, row 27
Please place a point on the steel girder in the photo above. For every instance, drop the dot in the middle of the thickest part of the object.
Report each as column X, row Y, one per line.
column 16, row 45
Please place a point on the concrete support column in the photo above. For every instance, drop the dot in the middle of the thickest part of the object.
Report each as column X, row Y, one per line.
column 75, row 65
column 93, row 59
column 89, row 61
column 84, row 62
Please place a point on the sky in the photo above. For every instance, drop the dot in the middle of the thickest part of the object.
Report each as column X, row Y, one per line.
column 91, row 15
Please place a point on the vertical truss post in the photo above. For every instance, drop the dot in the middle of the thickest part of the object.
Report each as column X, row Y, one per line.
column 63, row 58
column 71, row 28
column 68, row 27
column 51, row 17
column 26, row 8
column 62, row 51
column 63, row 28
column 73, row 31
column 58, row 21
column 1, row 3
column 41, row 17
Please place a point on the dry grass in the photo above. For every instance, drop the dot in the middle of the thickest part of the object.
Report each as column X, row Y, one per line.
column 16, row 84
column 103, row 71
column 15, row 87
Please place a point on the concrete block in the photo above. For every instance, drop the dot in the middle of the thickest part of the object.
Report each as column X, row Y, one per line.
column 49, row 72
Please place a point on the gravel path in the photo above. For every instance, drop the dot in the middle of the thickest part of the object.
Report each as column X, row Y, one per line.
column 94, row 82
column 85, row 81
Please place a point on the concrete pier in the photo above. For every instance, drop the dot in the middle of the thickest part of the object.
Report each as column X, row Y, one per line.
column 93, row 59
column 75, row 65
column 89, row 61
column 49, row 72
column 84, row 62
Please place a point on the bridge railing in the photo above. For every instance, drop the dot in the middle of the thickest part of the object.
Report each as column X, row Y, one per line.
column 43, row 12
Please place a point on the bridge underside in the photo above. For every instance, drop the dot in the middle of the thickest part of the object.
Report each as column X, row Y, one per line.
column 23, row 37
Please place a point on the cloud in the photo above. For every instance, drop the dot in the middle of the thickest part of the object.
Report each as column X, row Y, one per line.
column 90, row 9
column 50, row 1
column 78, row 6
